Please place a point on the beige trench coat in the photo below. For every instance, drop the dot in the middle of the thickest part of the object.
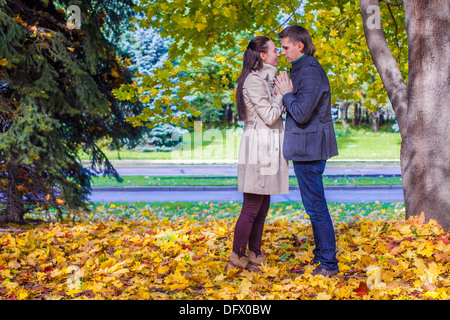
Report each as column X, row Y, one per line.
column 262, row 168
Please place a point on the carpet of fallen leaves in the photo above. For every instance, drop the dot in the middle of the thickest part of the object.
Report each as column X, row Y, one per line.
column 152, row 256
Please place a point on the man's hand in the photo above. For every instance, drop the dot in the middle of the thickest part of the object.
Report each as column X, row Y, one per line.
column 283, row 84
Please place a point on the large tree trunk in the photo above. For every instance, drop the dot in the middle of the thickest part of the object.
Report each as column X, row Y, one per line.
column 427, row 165
column 421, row 107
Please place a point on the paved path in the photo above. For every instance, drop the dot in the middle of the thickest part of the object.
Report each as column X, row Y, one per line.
column 231, row 170
column 226, row 194
column 223, row 194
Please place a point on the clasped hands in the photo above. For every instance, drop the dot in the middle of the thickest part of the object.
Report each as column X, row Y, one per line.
column 283, row 84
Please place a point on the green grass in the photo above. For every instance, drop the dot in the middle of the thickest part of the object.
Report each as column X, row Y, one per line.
column 291, row 211
column 353, row 143
column 229, row 181
column 362, row 143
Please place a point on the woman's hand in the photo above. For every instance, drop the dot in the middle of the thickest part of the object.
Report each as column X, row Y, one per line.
column 277, row 90
column 283, row 84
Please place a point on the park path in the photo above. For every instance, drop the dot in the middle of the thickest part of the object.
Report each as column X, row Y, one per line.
column 331, row 169
column 230, row 193
column 223, row 194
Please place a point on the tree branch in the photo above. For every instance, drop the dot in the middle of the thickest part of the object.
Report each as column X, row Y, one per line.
column 248, row 18
column 240, row 51
column 396, row 32
column 385, row 62
column 391, row 3
column 336, row 26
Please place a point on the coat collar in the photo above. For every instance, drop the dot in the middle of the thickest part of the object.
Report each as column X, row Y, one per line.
column 299, row 63
column 267, row 72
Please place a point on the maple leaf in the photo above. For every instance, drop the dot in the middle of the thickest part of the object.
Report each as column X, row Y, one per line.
column 22, row 294
column 219, row 278
column 362, row 289
column 14, row 264
column 245, row 286
column 323, row 296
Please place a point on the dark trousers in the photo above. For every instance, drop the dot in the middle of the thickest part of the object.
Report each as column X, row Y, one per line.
column 309, row 177
column 250, row 224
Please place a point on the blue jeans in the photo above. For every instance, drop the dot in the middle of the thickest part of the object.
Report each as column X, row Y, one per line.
column 309, row 177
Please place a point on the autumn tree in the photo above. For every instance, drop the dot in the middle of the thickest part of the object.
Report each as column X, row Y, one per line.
column 420, row 103
column 56, row 100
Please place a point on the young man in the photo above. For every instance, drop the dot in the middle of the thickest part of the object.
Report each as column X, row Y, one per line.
column 309, row 138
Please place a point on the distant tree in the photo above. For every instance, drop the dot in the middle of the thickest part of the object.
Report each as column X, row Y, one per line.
column 146, row 49
column 56, row 101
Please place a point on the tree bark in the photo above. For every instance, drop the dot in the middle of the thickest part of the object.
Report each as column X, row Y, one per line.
column 427, row 171
column 14, row 210
column 343, row 109
column 356, row 114
column 420, row 107
column 374, row 120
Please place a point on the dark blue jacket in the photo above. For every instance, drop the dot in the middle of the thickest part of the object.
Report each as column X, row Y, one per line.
column 309, row 132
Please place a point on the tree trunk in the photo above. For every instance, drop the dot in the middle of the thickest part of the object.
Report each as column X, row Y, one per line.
column 343, row 107
column 427, row 171
column 14, row 210
column 420, row 107
column 374, row 119
column 356, row 113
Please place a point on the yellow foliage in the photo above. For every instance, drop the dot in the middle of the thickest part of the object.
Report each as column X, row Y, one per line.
column 151, row 258
column 3, row 62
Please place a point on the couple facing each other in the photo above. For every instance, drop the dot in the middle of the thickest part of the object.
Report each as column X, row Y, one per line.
column 308, row 140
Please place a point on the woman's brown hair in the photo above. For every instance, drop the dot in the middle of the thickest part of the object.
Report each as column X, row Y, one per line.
column 251, row 61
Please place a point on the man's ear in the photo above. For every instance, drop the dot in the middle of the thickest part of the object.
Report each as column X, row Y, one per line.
column 300, row 46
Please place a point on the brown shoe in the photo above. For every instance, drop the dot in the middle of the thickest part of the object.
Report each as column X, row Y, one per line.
column 255, row 262
column 235, row 262
column 299, row 269
column 326, row 273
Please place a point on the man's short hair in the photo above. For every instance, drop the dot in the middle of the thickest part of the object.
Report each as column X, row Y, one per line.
column 299, row 34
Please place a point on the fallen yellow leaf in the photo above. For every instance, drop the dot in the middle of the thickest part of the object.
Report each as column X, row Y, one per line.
column 323, row 296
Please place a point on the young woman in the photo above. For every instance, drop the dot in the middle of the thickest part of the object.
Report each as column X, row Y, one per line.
column 262, row 170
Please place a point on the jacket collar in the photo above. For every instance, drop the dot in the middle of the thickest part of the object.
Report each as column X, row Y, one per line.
column 267, row 72
column 297, row 60
column 301, row 62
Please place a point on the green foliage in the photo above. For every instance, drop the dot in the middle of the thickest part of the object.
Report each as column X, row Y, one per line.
column 56, row 100
column 232, row 181
column 220, row 30
column 161, row 138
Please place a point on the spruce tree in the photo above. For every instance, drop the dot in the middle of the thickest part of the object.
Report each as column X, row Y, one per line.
column 56, row 101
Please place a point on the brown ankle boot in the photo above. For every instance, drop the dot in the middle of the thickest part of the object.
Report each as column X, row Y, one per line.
column 255, row 262
column 235, row 262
